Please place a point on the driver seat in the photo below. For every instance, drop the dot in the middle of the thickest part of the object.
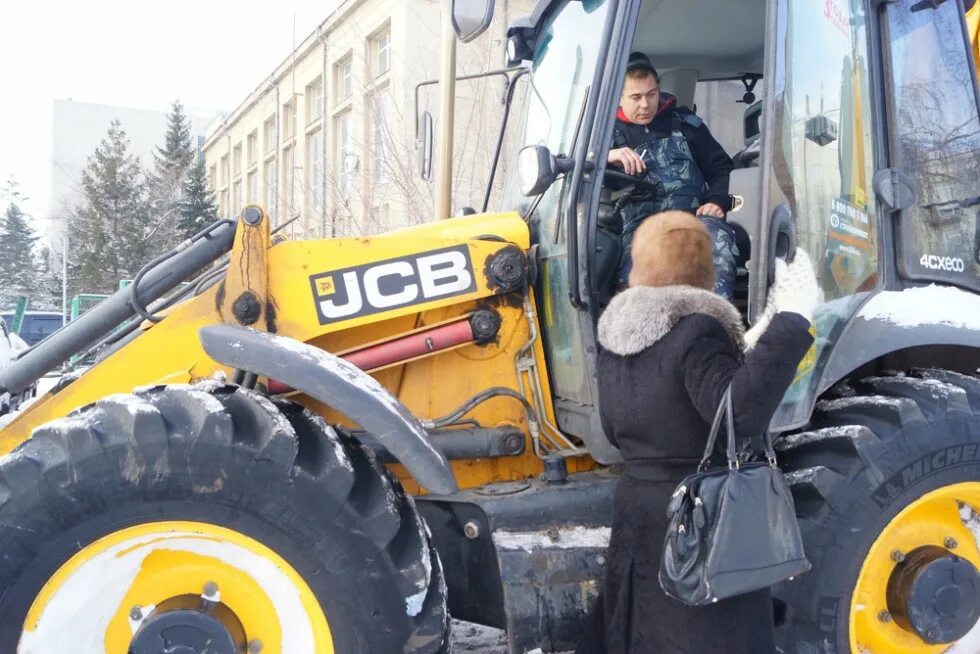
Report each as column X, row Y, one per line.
column 609, row 248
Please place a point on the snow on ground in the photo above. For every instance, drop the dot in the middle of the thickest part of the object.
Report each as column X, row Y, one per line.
column 477, row 639
column 470, row 637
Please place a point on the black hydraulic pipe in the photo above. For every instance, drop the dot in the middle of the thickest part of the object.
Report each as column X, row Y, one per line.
column 92, row 325
column 459, row 444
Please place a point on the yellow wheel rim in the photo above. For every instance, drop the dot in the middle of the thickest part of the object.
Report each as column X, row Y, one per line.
column 85, row 607
column 930, row 520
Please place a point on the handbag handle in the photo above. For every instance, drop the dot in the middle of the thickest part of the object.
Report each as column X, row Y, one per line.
column 725, row 409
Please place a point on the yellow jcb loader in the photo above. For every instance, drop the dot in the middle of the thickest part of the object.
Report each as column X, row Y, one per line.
column 332, row 445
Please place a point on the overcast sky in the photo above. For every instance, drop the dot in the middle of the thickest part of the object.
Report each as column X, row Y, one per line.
column 207, row 53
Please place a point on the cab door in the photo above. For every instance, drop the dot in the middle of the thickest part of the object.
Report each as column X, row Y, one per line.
column 822, row 146
column 568, row 52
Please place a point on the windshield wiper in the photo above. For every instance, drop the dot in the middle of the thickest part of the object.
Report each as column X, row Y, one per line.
column 571, row 153
column 511, row 87
column 922, row 5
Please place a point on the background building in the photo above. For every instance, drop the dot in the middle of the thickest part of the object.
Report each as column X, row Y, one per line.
column 329, row 137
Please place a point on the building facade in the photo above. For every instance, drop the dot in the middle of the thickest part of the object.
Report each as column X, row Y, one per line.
column 327, row 141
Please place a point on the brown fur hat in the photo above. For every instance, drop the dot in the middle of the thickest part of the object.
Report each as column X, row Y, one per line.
column 672, row 249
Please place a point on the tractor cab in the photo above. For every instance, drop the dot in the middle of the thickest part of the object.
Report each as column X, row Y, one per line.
column 854, row 134
column 853, row 127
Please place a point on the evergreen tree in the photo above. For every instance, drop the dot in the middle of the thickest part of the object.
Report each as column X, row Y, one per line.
column 198, row 208
column 48, row 295
column 110, row 232
column 172, row 164
column 18, row 265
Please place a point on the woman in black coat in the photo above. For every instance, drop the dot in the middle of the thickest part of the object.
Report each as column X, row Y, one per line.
column 669, row 349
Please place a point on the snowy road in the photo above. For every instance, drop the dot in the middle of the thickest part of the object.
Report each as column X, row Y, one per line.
column 477, row 639
column 469, row 637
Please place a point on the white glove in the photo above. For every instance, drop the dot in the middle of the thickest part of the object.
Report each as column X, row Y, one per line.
column 796, row 290
column 761, row 325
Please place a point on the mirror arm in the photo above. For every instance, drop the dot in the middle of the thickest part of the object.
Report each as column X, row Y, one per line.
column 505, row 72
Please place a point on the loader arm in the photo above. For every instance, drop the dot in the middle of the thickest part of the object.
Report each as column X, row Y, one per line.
column 344, row 296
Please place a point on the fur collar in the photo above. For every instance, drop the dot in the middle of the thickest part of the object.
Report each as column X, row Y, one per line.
column 640, row 316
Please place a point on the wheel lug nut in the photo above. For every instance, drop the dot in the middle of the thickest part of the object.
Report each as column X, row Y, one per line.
column 254, row 646
column 884, row 616
column 471, row 529
column 136, row 613
column 210, row 589
column 950, row 543
column 898, row 556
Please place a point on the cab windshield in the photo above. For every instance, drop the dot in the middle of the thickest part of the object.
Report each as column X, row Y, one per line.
column 562, row 69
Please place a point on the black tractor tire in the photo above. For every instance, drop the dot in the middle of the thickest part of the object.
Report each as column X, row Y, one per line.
column 870, row 450
column 230, row 457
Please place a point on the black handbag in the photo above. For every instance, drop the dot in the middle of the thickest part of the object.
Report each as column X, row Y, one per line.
column 732, row 529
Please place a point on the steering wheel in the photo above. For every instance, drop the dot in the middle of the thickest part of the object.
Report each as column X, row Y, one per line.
column 640, row 183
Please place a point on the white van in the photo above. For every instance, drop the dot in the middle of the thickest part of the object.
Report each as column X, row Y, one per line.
column 10, row 345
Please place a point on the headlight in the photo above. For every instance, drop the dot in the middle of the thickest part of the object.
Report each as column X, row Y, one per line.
column 529, row 171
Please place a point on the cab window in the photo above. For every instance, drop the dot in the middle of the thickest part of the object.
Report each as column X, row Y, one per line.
column 934, row 108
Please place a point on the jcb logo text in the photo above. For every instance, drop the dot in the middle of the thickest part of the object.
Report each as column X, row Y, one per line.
column 375, row 287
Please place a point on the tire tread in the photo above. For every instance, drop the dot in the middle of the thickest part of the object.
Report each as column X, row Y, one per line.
column 135, row 441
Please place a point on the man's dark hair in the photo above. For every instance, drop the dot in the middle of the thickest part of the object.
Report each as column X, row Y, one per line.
column 639, row 66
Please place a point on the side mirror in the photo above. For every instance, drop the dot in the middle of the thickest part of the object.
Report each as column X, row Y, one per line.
column 537, row 169
column 471, row 18
column 821, row 130
column 518, row 49
column 424, row 145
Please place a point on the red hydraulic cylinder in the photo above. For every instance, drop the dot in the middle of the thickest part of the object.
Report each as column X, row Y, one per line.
column 411, row 346
column 408, row 347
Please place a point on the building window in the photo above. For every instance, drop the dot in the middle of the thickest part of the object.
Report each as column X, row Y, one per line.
column 271, row 187
column 289, row 119
column 224, row 172
column 289, row 177
column 345, row 79
column 382, row 52
column 223, row 204
column 213, row 176
column 236, row 160
column 380, row 138
column 253, row 187
column 269, row 133
column 252, row 148
column 237, row 194
column 314, row 100
column 314, row 148
column 346, row 159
